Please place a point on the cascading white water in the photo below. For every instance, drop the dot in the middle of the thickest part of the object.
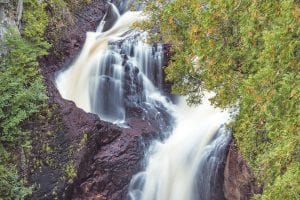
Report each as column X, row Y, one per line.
column 117, row 70
column 113, row 70
column 173, row 165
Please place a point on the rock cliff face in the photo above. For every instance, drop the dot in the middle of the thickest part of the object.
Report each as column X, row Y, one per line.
column 239, row 181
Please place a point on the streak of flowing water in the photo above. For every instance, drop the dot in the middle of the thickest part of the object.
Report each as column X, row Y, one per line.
column 116, row 71
column 185, row 165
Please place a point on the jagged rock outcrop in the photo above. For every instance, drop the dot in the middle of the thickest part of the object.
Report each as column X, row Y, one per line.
column 239, row 181
column 114, row 160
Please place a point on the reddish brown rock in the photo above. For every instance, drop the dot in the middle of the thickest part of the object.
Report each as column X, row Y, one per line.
column 239, row 181
column 107, row 168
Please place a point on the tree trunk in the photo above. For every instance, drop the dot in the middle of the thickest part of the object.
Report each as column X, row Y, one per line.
column 19, row 12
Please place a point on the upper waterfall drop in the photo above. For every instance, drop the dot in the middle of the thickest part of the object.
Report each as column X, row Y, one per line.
column 116, row 70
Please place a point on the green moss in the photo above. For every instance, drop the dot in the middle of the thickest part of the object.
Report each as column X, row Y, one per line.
column 70, row 171
column 47, row 148
column 84, row 139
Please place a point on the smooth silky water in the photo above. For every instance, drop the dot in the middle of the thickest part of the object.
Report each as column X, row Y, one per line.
column 117, row 69
column 186, row 164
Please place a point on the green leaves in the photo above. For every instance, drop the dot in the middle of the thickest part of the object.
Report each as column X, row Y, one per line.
column 21, row 85
column 36, row 21
column 286, row 186
column 11, row 187
column 22, row 93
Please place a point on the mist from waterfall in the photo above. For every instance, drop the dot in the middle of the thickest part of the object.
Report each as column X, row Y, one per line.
column 117, row 71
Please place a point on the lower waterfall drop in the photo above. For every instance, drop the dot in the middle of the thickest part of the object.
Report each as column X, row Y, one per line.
column 186, row 165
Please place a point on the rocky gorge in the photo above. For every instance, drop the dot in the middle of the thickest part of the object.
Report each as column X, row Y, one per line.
column 86, row 158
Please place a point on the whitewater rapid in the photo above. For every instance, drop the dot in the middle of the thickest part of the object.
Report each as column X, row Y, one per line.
column 74, row 83
column 172, row 169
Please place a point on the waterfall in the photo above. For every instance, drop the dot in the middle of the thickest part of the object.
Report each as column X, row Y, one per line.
column 116, row 70
column 185, row 165
column 116, row 73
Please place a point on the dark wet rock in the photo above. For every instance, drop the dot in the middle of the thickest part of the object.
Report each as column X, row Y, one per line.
column 239, row 181
column 109, row 166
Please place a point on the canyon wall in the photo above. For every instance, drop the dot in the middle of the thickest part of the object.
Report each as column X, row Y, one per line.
column 75, row 155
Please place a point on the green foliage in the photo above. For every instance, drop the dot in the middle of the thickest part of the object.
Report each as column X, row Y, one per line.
column 84, row 139
column 11, row 187
column 70, row 171
column 248, row 53
column 35, row 20
column 22, row 86
column 285, row 186
column 22, row 93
